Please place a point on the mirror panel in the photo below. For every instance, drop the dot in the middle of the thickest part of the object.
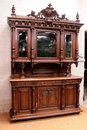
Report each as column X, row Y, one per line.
column 22, row 43
column 46, row 44
column 68, row 42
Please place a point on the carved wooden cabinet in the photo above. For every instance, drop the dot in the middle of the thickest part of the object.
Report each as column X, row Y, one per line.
column 43, row 47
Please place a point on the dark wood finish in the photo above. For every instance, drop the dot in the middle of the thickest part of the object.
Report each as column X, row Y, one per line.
column 43, row 86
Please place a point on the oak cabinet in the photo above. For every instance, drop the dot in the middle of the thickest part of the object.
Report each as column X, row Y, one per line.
column 43, row 48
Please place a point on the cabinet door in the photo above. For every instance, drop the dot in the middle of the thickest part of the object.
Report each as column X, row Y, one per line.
column 48, row 97
column 68, row 45
column 68, row 96
column 45, row 45
column 22, row 44
column 21, row 100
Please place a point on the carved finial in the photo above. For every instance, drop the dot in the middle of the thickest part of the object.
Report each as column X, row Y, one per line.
column 49, row 5
column 77, row 17
column 13, row 10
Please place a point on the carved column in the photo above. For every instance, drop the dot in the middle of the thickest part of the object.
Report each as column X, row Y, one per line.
column 13, row 50
column 32, row 47
column 14, row 101
column 77, row 97
column 63, row 97
column 76, row 48
column 34, row 99
column 61, row 47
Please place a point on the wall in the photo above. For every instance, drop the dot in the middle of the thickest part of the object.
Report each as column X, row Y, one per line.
column 24, row 7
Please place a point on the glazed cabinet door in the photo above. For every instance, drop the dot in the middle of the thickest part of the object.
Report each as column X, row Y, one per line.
column 45, row 45
column 68, row 46
column 68, row 96
column 22, row 44
column 21, row 100
column 48, row 98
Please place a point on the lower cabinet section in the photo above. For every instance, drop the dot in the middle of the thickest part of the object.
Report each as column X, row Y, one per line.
column 44, row 97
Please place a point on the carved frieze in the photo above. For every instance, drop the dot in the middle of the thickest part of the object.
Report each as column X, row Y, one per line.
column 46, row 83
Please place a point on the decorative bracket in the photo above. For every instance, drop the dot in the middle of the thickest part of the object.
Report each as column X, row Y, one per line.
column 22, row 64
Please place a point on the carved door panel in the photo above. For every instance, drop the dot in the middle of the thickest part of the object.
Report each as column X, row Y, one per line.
column 68, row 96
column 22, row 100
column 48, row 97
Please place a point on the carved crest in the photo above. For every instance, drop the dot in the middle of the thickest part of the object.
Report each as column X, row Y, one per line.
column 48, row 13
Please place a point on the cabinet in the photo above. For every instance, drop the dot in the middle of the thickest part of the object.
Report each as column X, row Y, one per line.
column 43, row 47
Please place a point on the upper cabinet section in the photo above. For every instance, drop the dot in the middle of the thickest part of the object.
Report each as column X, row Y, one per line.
column 45, row 37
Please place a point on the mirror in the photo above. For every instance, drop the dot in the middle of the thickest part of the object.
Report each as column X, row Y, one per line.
column 46, row 44
column 22, row 43
column 68, row 42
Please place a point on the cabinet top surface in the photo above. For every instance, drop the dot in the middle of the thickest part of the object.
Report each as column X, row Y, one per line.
column 44, row 78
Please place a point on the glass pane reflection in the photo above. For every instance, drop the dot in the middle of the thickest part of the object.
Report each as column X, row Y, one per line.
column 22, row 43
column 68, row 45
column 46, row 44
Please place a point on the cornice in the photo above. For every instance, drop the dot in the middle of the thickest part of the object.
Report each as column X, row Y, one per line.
column 46, row 18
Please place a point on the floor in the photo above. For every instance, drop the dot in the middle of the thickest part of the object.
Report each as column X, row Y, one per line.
column 68, row 122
